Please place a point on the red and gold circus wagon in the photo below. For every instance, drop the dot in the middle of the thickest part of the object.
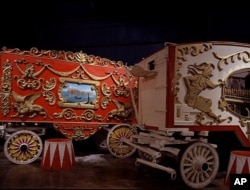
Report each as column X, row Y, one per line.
column 78, row 94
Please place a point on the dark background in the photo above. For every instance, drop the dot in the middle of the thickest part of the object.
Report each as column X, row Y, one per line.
column 120, row 30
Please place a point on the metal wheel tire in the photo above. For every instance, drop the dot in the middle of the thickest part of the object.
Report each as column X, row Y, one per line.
column 199, row 165
column 115, row 145
column 23, row 147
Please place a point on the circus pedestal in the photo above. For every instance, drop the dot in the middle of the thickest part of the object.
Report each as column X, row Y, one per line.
column 239, row 163
column 58, row 153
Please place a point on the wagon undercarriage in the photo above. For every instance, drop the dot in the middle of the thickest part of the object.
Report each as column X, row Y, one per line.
column 196, row 161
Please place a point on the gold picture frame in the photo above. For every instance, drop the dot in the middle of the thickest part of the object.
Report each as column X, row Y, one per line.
column 77, row 93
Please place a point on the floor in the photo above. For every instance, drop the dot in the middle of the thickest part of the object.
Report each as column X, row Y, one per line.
column 94, row 169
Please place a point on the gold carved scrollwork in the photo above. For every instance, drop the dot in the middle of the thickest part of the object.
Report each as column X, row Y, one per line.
column 50, row 97
column 105, row 102
column 50, row 85
column 178, row 76
column 29, row 72
column 81, row 57
column 89, row 115
column 34, row 85
column 77, row 131
column 66, row 114
column 28, row 79
column 70, row 114
column 105, row 89
column 194, row 50
column 6, row 87
column 5, row 103
column 120, row 91
column 107, row 93
column 80, row 74
column 91, row 76
column 120, row 87
column 67, row 55
column 240, row 55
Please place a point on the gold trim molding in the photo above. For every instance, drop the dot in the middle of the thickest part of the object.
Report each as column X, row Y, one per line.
column 79, row 57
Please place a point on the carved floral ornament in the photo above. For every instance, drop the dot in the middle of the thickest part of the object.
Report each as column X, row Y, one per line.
column 231, row 99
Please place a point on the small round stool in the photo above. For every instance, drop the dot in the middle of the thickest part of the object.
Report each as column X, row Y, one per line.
column 239, row 163
column 58, row 153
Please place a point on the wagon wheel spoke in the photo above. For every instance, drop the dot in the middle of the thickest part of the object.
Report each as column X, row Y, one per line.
column 115, row 145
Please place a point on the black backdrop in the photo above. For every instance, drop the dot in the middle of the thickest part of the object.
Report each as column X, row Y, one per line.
column 119, row 29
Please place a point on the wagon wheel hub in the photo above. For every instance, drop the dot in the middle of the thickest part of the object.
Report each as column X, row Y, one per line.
column 200, row 165
column 23, row 147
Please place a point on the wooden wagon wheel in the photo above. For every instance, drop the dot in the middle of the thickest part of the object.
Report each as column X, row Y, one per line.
column 115, row 145
column 199, row 165
column 23, row 147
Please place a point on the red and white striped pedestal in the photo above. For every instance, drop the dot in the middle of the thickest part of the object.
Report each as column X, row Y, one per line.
column 58, row 153
column 239, row 163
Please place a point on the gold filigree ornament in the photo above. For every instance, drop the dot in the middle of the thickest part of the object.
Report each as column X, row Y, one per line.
column 6, row 87
column 194, row 50
column 50, row 97
column 81, row 57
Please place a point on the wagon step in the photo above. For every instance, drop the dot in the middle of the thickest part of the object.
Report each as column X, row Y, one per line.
column 169, row 170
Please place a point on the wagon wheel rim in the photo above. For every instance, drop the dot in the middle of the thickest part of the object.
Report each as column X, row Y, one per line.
column 115, row 143
column 23, row 147
column 199, row 165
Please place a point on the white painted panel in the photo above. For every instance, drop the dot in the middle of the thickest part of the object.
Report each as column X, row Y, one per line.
column 152, row 96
